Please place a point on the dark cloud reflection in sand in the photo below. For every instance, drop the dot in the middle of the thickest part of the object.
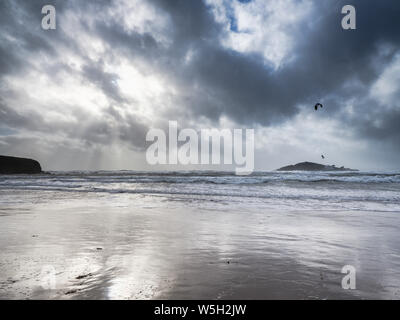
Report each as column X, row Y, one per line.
column 124, row 246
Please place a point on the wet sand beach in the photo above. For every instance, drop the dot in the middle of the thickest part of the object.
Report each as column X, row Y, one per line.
column 80, row 245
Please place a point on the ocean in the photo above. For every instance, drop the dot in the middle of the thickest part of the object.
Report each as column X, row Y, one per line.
column 200, row 234
column 366, row 191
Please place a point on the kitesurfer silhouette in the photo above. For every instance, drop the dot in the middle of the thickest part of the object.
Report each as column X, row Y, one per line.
column 317, row 105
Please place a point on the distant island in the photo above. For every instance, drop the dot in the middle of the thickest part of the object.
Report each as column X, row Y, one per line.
column 14, row 165
column 311, row 166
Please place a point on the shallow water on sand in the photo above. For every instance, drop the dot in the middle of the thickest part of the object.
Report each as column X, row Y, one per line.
column 80, row 244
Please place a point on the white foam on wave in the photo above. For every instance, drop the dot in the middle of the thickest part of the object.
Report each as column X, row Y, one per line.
column 348, row 190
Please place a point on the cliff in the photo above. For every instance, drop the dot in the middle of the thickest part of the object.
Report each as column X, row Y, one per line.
column 311, row 166
column 13, row 165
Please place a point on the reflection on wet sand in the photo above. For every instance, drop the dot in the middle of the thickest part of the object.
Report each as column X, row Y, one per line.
column 102, row 249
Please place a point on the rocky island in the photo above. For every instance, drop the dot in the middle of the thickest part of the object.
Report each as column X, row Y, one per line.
column 14, row 165
column 312, row 166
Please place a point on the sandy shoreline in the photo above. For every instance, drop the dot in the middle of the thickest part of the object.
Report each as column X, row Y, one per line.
column 95, row 247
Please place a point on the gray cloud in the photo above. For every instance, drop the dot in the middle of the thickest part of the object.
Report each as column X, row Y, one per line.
column 106, row 81
column 22, row 37
column 326, row 64
column 241, row 87
column 327, row 61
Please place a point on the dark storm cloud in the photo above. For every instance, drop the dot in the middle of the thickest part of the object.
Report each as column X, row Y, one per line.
column 21, row 37
column 20, row 34
column 106, row 81
column 218, row 81
column 243, row 88
column 137, row 44
column 328, row 64
column 90, row 132
column 327, row 60
column 239, row 85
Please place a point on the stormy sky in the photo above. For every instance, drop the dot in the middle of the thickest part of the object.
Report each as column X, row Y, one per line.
column 83, row 96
